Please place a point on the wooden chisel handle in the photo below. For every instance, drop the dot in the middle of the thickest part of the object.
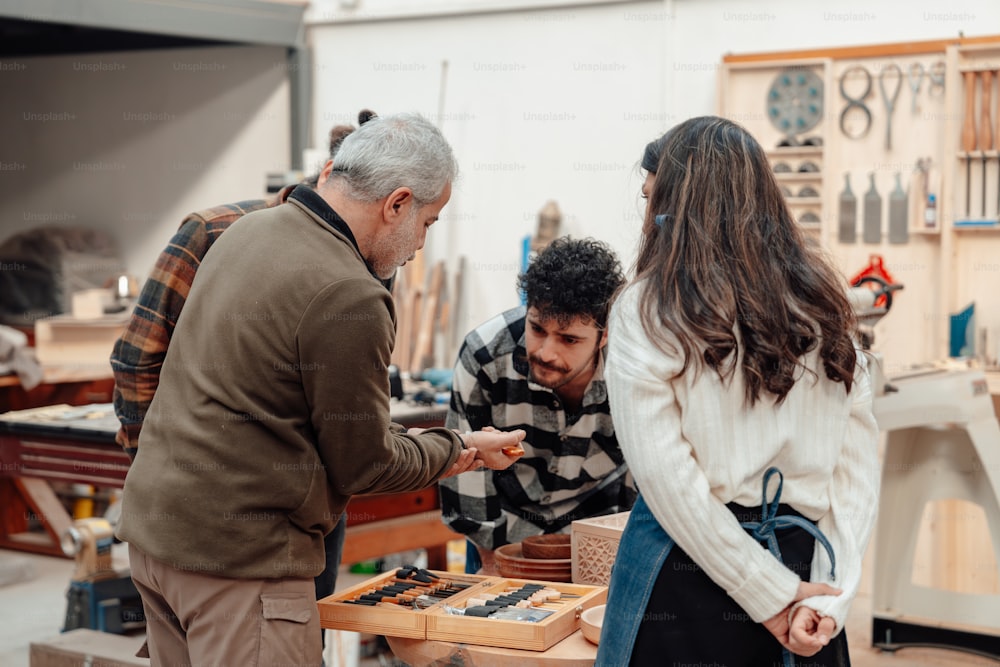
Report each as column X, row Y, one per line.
column 423, row 589
column 986, row 118
column 431, row 589
column 378, row 597
column 996, row 132
column 969, row 120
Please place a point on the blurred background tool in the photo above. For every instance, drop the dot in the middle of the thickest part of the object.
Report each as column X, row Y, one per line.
column 871, row 230
column 99, row 596
column 915, row 75
column 893, row 72
column 847, row 220
column 969, row 134
column 985, row 136
column 898, row 220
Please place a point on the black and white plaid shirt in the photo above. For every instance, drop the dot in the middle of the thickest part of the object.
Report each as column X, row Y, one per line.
column 572, row 467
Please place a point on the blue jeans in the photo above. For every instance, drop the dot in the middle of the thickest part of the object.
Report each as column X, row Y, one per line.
column 643, row 549
column 473, row 563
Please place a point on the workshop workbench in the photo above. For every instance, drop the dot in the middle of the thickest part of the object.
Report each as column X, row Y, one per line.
column 76, row 445
column 60, row 384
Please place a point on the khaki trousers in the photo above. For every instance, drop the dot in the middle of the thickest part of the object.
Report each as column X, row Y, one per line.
column 195, row 619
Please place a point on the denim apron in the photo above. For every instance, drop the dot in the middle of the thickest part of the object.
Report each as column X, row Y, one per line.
column 643, row 550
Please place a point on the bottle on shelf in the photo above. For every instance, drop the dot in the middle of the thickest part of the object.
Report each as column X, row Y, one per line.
column 930, row 212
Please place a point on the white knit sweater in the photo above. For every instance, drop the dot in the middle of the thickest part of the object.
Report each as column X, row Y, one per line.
column 694, row 446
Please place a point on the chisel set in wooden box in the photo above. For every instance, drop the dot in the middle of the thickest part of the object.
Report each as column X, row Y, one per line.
column 474, row 609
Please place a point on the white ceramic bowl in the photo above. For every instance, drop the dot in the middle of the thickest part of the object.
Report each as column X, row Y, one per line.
column 590, row 623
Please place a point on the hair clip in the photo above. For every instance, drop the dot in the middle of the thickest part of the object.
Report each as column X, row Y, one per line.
column 660, row 219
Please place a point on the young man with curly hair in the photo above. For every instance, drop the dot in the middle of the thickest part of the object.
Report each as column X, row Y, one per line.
column 540, row 368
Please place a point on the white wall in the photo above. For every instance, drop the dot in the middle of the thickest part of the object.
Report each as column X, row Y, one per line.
column 538, row 106
column 130, row 142
column 558, row 102
column 550, row 102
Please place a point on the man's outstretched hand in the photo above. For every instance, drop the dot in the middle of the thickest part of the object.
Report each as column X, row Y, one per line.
column 496, row 449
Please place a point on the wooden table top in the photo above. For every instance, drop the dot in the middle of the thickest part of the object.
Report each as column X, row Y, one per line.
column 574, row 651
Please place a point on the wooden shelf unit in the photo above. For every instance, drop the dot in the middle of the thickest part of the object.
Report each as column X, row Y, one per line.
column 936, row 264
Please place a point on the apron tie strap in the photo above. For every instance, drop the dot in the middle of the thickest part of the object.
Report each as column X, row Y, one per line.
column 764, row 532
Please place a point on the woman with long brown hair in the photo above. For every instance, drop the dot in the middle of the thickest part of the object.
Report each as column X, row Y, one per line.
column 743, row 406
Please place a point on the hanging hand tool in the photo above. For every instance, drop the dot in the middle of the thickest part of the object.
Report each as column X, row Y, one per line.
column 847, row 228
column 898, row 221
column 872, row 225
column 890, row 100
column 857, row 102
column 918, row 195
column 969, row 134
column 935, row 79
column 996, row 141
column 985, row 142
column 915, row 75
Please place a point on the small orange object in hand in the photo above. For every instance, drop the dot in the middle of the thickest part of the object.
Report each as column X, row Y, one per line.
column 514, row 450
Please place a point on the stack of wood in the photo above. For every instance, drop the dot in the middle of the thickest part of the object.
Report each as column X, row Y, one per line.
column 426, row 313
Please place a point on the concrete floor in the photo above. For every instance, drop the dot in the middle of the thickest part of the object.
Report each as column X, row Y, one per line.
column 33, row 606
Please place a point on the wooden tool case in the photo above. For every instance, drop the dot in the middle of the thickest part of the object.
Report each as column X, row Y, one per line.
column 435, row 623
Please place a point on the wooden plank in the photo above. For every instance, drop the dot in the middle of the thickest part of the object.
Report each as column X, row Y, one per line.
column 377, row 538
column 442, row 330
column 46, row 503
column 414, row 302
column 368, row 508
column 423, row 354
column 455, row 336
column 574, row 651
column 865, row 51
column 401, row 295
column 30, row 494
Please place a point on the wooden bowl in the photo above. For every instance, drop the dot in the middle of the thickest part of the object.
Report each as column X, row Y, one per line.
column 512, row 563
column 552, row 547
column 591, row 621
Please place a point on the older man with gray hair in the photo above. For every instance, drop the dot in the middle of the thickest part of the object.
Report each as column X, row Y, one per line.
column 273, row 407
